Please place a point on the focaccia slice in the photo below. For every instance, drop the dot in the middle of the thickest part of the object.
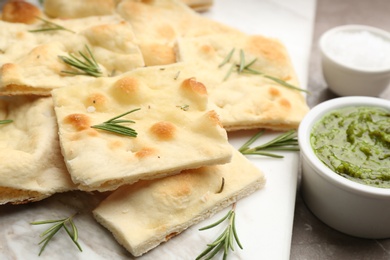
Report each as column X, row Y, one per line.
column 176, row 131
column 85, row 8
column 157, row 25
column 32, row 167
column 78, row 8
column 199, row 5
column 246, row 99
column 143, row 215
column 30, row 63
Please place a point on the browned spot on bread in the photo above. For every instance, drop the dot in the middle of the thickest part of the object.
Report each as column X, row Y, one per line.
column 20, row 12
column 157, row 54
column 98, row 100
column 116, row 144
column 148, row 2
column 194, row 86
column 171, row 235
column 92, row 132
column 163, row 130
column 273, row 92
column 207, row 49
column 126, row 89
column 213, row 116
column 269, row 48
column 78, row 121
column 8, row 66
column 178, row 186
column 145, row 152
column 127, row 86
column 13, row 89
column 285, row 103
column 166, row 31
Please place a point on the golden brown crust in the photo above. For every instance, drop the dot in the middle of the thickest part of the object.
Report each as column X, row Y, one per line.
column 79, row 121
column 18, row 11
column 194, row 86
column 163, row 130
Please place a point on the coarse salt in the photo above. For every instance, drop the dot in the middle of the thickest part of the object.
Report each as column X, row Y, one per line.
column 91, row 109
column 360, row 49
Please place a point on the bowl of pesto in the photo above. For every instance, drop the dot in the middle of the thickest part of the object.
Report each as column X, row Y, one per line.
column 345, row 154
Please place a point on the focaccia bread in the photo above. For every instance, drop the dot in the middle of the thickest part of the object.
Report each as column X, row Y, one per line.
column 30, row 63
column 78, row 8
column 32, row 167
column 246, row 98
column 157, row 25
column 16, row 11
column 143, row 215
column 199, row 5
column 84, row 8
column 176, row 131
column 243, row 100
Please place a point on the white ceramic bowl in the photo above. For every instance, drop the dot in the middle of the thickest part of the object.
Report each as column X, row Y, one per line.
column 352, row 208
column 345, row 78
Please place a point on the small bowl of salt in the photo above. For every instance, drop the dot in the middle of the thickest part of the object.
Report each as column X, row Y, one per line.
column 356, row 60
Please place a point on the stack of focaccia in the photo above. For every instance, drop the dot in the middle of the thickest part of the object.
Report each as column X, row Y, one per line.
column 186, row 79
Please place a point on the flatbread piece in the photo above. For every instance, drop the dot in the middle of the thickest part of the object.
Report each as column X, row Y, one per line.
column 32, row 167
column 176, row 130
column 143, row 215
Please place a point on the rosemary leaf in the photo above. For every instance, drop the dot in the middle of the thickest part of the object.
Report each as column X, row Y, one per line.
column 285, row 84
column 87, row 67
column 242, row 61
column 251, row 141
column 246, row 68
column 216, row 223
column 227, row 58
column 53, row 230
column 50, row 26
column 177, row 75
column 113, row 125
column 225, row 240
column 229, row 72
column 284, row 142
column 250, row 63
column 222, row 185
column 5, row 121
column 184, row 107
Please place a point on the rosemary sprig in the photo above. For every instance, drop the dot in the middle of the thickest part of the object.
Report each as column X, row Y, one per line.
column 66, row 223
column 113, row 125
column 88, row 66
column 284, row 142
column 246, row 68
column 227, row 58
column 177, row 75
column 242, row 62
column 225, row 241
column 184, row 107
column 222, row 185
column 50, row 26
column 5, row 121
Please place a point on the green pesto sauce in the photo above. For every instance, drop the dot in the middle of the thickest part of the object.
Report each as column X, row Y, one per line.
column 355, row 143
